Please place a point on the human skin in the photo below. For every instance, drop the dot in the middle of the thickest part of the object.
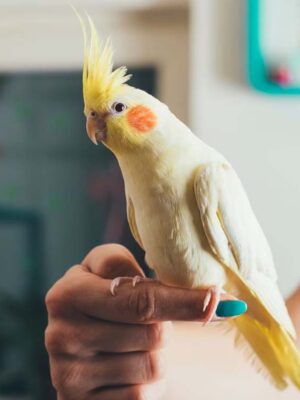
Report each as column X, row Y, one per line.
column 104, row 347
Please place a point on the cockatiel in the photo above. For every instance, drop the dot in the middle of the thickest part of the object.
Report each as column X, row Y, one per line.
column 187, row 209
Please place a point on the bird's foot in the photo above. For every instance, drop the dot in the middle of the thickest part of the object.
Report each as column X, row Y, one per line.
column 211, row 302
column 115, row 283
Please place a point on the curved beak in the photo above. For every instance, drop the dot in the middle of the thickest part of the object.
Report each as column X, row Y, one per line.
column 96, row 128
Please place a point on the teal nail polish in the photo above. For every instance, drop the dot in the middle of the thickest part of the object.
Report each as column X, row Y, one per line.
column 231, row 308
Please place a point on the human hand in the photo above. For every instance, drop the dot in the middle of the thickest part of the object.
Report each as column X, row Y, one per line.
column 104, row 347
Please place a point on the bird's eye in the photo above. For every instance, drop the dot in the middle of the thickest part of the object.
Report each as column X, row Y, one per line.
column 93, row 114
column 118, row 107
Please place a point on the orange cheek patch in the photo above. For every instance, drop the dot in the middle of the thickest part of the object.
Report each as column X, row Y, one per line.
column 141, row 118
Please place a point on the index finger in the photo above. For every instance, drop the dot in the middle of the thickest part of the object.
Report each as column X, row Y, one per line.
column 148, row 302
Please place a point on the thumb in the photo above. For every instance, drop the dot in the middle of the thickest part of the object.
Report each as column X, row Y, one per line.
column 112, row 260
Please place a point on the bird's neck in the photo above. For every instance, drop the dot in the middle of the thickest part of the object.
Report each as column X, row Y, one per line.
column 144, row 164
column 144, row 169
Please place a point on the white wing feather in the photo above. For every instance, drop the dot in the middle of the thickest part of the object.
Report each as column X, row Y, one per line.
column 132, row 221
column 236, row 237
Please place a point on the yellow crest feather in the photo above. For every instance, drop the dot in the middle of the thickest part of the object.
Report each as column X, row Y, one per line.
column 100, row 82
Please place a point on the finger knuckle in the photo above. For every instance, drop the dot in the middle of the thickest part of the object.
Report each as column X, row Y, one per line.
column 58, row 339
column 152, row 370
column 57, row 298
column 111, row 260
column 64, row 338
column 57, row 377
column 62, row 295
column 66, row 378
column 154, row 334
column 142, row 304
column 110, row 248
column 51, row 298
column 52, row 341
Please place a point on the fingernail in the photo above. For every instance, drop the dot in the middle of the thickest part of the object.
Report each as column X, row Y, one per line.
column 231, row 308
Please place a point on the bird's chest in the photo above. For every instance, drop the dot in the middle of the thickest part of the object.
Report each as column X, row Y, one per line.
column 168, row 222
column 165, row 217
column 159, row 215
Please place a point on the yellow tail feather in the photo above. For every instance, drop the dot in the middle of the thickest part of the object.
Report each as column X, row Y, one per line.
column 273, row 346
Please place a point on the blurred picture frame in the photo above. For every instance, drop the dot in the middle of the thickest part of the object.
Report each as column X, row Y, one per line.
column 273, row 57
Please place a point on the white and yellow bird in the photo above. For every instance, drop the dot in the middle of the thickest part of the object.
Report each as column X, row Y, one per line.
column 187, row 209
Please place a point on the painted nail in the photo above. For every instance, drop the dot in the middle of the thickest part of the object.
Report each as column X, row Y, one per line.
column 231, row 308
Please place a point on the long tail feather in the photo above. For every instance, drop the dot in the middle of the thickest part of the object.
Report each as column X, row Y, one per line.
column 273, row 347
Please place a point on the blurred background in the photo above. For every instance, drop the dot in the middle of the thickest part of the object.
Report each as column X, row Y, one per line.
column 60, row 195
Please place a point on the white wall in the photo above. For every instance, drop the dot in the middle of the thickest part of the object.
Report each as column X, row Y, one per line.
column 50, row 37
column 259, row 134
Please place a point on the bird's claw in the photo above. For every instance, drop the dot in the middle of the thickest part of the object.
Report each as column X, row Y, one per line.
column 137, row 279
column 115, row 283
column 211, row 300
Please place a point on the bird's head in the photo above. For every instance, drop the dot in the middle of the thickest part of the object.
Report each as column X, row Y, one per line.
column 120, row 116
